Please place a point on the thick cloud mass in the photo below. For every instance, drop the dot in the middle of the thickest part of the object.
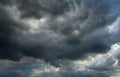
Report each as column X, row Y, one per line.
column 55, row 29
column 8, row 46
column 80, row 37
column 59, row 38
column 106, row 65
column 38, row 8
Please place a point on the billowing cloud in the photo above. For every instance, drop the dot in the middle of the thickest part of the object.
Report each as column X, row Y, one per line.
column 106, row 65
column 36, row 36
column 8, row 27
column 68, row 35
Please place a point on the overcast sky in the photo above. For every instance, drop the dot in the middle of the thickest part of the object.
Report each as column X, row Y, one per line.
column 59, row 38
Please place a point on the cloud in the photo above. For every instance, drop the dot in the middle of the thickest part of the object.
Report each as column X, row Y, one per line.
column 55, row 30
column 8, row 26
column 95, row 66
column 38, row 68
column 37, row 9
column 59, row 38
column 70, row 35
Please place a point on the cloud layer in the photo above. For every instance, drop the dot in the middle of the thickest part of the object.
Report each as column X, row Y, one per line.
column 58, row 33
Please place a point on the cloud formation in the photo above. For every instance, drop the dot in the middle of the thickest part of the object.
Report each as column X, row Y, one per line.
column 36, row 36
column 106, row 65
column 70, row 30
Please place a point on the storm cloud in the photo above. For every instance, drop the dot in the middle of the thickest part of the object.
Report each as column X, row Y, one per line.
column 59, row 38
column 55, row 30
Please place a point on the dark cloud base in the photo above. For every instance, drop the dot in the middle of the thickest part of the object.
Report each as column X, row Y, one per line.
column 82, row 32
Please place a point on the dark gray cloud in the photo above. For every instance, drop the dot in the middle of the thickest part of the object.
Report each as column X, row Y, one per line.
column 6, row 2
column 8, row 26
column 38, row 68
column 106, row 66
column 72, row 29
column 77, row 36
column 37, row 9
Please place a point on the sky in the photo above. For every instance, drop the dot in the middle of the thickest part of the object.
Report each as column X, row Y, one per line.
column 59, row 38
